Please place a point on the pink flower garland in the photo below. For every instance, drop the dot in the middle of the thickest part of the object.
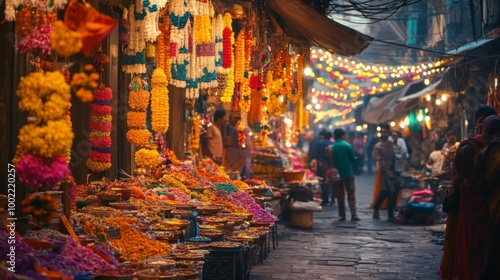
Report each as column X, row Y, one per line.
column 35, row 172
column 38, row 42
column 100, row 145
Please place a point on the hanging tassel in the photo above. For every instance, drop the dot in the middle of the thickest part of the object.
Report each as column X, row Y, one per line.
column 100, row 60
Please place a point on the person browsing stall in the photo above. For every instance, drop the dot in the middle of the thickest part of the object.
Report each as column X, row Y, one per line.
column 342, row 155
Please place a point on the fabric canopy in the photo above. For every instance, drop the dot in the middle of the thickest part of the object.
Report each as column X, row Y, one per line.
column 386, row 108
column 300, row 21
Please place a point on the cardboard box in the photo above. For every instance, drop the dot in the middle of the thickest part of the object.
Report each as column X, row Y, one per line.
column 301, row 219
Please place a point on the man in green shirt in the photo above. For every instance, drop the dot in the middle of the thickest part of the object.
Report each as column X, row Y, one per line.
column 344, row 160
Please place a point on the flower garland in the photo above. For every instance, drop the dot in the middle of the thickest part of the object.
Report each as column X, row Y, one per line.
column 151, row 30
column 299, row 115
column 134, row 57
column 195, row 136
column 136, row 119
column 239, row 58
column 288, row 74
column 37, row 42
column 40, row 174
column 227, row 58
column 85, row 83
column 277, row 104
column 159, row 102
column 256, row 95
column 217, row 34
column 147, row 158
column 160, row 47
column 242, row 137
column 138, row 99
column 44, row 95
column 300, row 75
column 42, row 208
column 51, row 140
column 179, row 34
column 100, row 142
column 124, row 28
column 227, row 41
column 264, row 120
column 193, row 73
column 138, row 137
column 65, row 41
column 245, row 101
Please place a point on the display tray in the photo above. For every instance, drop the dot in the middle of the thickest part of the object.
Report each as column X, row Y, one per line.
column 177, row 222
column 226, row 245
column 254, row 223
column 123, row 205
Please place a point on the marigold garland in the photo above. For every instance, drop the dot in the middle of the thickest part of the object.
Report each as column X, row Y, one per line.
column 138, row 99
column 147, row 158
column 300, row 75
column 42, row 208
column 44, row 95
column 239, row 58
column 159, row 102
column 195, row 136
column 139, row 137
column 299, row 115
column 50, row 140
column 64, row 40
column 136, row 119
column 242, row 137
column 100, row 147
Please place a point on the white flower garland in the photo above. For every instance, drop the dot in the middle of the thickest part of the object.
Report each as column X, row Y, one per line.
column 179, row 41
column 136, row 45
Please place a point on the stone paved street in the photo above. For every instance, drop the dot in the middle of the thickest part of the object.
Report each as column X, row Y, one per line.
column 368, row 249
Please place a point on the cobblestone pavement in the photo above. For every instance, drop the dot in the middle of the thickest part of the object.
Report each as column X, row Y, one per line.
column 368, row 249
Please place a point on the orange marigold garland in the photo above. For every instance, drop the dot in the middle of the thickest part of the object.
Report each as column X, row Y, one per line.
column 100, row 140
column 139, row 137
column 159, row 102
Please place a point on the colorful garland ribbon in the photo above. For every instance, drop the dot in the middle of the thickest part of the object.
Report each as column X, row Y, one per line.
column 101, row 124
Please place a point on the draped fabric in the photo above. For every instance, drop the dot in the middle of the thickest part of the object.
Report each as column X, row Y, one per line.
column 302, row 22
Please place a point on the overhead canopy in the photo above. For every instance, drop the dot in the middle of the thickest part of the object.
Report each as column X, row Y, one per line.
column 458, row 53
column 300, row 21
column 383, row 109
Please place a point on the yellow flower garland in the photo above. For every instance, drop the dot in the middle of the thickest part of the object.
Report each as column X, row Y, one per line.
column 195, row 137
column 299, row 115
column 97, row 166
column 245, row 101
column 44, row 95
column 300, row 75
column 147, row 158
column 202, row 27
column 136, row 119
column 65, row 41
column 138, row 99
column 239, row 58
column 50, row 140
column 159, row 102
column 275, row 106
column 139, row 137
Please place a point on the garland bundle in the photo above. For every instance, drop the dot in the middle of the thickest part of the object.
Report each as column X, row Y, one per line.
column 100, row 137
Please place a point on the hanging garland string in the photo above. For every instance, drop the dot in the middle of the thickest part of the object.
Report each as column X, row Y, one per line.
column 159, row 102
column 100, row 137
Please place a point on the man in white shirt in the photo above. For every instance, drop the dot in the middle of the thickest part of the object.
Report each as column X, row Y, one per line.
column 435, row 161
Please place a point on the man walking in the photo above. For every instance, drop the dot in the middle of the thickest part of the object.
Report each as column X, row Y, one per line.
column 342, row 155
column 322, row 165
column 383, row 153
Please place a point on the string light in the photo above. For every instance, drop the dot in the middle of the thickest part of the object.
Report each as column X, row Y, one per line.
column 345, row 122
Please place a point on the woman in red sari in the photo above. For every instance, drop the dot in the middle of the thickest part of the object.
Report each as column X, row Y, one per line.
column 468, row 232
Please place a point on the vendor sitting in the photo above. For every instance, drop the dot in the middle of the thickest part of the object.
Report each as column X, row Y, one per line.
column 435, row 162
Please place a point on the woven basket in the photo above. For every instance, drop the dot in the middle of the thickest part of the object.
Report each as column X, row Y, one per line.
column 289, row 176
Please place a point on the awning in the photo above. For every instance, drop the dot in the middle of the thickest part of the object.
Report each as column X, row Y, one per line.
column 384, row 109
column 300, row 21
column 420, row 93
column 458, row 54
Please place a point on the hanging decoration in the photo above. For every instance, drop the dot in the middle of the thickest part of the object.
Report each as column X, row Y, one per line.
column 44, row 142
column 217, row 37
column 138, row 101
column 159, row 102
column 179, row 34
column 85, row 83
column 299, row 115
column 100, row 136
column 147, row 158
column 124, row 28
column 242, row 137
column 134, row 55
column 195, row 135
column 65, row 41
